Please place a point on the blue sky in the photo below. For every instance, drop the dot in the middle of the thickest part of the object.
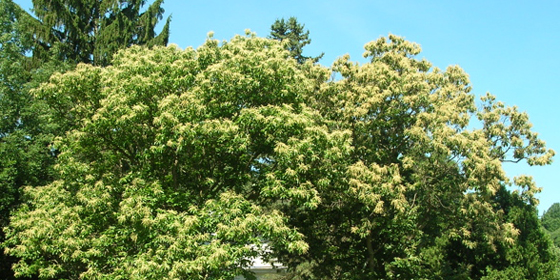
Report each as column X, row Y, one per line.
column 508, row 48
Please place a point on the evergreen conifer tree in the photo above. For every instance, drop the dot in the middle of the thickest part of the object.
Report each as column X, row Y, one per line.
column 90, row 31
column 296, row 35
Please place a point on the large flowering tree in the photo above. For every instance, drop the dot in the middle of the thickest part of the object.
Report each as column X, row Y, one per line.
column 187, row 164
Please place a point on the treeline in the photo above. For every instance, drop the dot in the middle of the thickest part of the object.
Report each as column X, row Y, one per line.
column 125, row 159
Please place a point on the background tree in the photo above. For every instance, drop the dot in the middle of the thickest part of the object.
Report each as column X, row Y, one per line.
column 296, row 38
column 91, row 31
column 551, row 222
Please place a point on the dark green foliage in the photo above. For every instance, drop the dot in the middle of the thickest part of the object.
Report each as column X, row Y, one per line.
column 551, row 222
column 531, row 256
column 555, row 236
column 23, row 146
column 551, row 218
column 91, row 31
column 295, row 35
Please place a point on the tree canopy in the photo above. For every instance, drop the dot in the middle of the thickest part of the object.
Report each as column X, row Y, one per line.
column 186, row 164
column 551, row 222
